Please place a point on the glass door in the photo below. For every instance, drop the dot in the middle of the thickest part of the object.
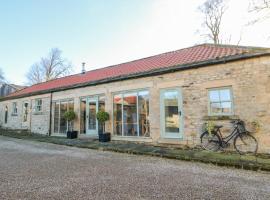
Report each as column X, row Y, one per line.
column 171, row 113
column 91, row 120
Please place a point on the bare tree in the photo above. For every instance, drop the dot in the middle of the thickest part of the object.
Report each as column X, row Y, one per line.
column 213, row 11
column 51, row 67
column 260, row 7
column 2, row 78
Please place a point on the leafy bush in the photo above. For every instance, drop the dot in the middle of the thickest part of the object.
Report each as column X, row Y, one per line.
column 103, row 116
column 209, row 126
column 70, row 115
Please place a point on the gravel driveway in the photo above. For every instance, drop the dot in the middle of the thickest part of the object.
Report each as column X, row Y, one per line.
column 31, row 170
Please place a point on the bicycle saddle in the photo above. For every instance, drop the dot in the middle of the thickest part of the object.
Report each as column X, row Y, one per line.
column 218, row 126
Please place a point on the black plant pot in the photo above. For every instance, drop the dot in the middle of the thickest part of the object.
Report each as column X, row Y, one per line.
column 104, row 137
column 72, row 134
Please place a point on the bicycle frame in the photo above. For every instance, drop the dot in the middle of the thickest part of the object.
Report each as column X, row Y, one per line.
column 230, row 136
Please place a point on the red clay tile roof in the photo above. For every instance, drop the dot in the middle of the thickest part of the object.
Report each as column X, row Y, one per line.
column 191, row 55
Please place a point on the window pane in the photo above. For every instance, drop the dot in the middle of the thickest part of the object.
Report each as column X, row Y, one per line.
column 92, row 120
column 226, row 107
column 38, row 103
column 214, row 96
column 143, row 106
column 117, row 114
column 25, row 112
column 215, row 108
column 71, row 105
column 63, row 122
column 6, row 114
column 56, row 117
column 225, row 95
column 130, row 114
column 14, row 108
column 171, row 111
column 83, row 116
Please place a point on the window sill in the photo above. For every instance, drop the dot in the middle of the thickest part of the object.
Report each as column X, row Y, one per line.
column 38, row 113
column 220, row 117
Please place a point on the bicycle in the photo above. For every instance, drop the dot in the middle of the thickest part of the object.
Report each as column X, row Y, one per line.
column 243, row 142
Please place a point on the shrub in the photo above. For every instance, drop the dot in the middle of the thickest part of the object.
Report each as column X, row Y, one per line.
column 209, row 126
column 102, row 117
column 70, row 115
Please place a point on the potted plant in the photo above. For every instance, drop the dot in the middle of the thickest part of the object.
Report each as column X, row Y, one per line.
column 70, row 117
column 102, row 117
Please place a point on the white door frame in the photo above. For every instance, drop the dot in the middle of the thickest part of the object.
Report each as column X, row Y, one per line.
column 91, row 131
column 165, row 134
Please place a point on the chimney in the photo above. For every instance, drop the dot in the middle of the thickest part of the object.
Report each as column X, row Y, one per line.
column 83, row 68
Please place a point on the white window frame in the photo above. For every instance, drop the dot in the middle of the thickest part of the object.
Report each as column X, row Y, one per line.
column 38, row 107
column 58, row 125
column 122, row 93
column 231, row 100
column 14, row 108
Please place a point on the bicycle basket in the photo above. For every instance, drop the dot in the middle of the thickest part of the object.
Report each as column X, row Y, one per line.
column 242, row 127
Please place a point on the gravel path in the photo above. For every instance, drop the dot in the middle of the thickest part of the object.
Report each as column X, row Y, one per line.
column 31, row 170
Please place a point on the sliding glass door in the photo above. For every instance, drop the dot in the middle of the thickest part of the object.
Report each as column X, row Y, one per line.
column 131, row 113
column 59, row 122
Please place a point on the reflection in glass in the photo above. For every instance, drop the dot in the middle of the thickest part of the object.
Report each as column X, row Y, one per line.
column 171, row 112
column 56, row 106
column 6, row 115
column 92, row 116
column 225, row 95
column 143, row 104
column 220, row 101
column 130, row 114
column 83, row 116
column 63, row 122
column 60, row 123
column 25, row 112
column 117, row 114
column 214, row 95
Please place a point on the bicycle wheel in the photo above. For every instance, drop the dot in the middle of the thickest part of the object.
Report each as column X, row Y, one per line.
column 211, row 142
column 246, row 143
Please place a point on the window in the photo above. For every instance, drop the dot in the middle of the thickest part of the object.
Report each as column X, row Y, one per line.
column 6, row 115
column 131, row 113
column 25, row 112
column 60, row 124
column 38, row 105
column 220, row 101
column 14, row 108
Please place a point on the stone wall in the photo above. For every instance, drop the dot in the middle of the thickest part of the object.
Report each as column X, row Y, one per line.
column 249, row 79
column 36, row 122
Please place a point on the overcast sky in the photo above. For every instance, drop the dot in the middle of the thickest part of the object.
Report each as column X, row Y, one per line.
column 107, row 32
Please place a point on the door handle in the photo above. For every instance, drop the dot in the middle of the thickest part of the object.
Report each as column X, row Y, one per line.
column 180, row 113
